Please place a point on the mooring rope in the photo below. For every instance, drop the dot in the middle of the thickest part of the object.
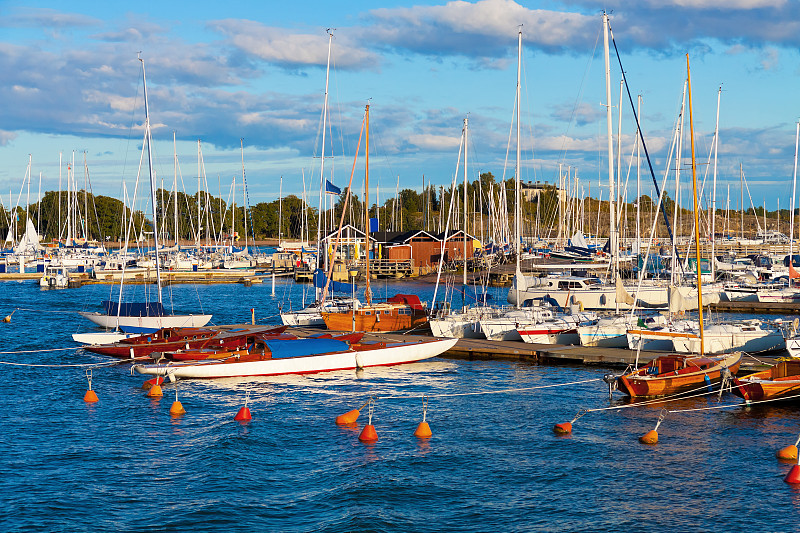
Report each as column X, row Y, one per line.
column 479, row 393
column 78, row 365
column 43, row 351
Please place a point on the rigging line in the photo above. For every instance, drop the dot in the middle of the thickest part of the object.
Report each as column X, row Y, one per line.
column 43, row 311
column 665, row 399
column 479, row 393
column 79, row 365
column 745, row 404
column 42, row 351
column 641, row 135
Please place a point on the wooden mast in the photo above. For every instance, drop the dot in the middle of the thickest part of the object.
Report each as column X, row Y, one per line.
column 367, row 291
column 696, row 215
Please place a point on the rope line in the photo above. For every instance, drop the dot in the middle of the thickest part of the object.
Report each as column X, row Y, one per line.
column 746, row 404
column 503, row 391
column 75, row 365
column 43, row 351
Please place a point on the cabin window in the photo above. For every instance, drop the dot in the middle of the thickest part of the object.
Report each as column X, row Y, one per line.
column 387, row 312
column 368, row 313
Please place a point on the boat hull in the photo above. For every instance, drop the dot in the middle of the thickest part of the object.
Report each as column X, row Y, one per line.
column 310, row 364
column 781, row 381
column 373, row 322
column 153, row 322
column 642, row 384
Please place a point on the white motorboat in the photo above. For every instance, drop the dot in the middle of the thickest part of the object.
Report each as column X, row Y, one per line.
column 751, row 336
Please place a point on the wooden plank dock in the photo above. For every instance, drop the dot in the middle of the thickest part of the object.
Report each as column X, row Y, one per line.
column 482, row 349
column 758, row 308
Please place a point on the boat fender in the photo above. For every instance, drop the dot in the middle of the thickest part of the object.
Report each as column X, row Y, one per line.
column 707, row 382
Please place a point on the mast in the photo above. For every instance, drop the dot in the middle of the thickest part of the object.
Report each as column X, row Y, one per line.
column 464, row 281
column 244, row 200
column 322, row 187
column 714, row 194
column 638, row 182
column 367, row 290
column 612, row 228
column 60, row 163
column 696, row 213
column 175, row 187
column 791, row 202
column 517, row 211
column 152, row 180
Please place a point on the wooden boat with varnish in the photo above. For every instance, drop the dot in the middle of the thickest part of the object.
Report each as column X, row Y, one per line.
column 677, row 373
column 401, row 312
column 300, row 356
column 779, row 381
column 171, row 339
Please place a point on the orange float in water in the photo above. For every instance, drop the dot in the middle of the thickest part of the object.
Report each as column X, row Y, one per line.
column 651, row 437
column 177, row 409
column 348, row 418
column 562, row 429
column 150, row 382
column 368, row 434
column 787, row 454
column 243, row 415
column 90, row 397
column 423, row 430
column 794, row 475
column 155, row 391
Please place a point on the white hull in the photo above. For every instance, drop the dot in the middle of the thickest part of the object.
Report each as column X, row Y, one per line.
column 153, row 322
column 102, row 337
column 302, row 318
column 793, row 346
column 310, row 364
column 545, row 336
column 612, row 332
column 727, row 337
column 456, row 326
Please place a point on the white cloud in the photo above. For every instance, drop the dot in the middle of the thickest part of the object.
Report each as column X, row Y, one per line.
column 429, row 141
column 718, row 4
column 280, row 46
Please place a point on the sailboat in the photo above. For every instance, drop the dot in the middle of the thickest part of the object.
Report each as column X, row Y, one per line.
column 141, row 316
column 401, row 312
column 677, row 373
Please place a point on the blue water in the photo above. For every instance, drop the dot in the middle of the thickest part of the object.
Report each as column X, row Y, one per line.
column 493, row 463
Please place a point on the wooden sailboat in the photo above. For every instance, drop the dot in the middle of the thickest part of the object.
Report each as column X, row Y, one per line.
column 779, row 381
column 399, row 313
column 672, row 374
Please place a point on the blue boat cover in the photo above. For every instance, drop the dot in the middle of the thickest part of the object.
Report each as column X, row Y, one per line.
column 301, row 347
column 133, row 308
column 135, row 329
column 337, row 286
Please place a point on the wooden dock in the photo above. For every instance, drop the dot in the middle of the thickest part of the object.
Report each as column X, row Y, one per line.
column 758, row 308
column 482, row 349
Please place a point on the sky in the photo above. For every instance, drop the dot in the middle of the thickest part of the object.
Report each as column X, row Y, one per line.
column 252, row 74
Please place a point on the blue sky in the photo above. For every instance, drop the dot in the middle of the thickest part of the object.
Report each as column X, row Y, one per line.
column 220, row 72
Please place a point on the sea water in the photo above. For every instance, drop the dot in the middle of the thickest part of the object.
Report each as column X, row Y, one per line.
column 492, row 464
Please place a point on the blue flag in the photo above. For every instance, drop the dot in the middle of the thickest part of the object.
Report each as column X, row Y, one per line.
column 373, row 225
column 330, row 188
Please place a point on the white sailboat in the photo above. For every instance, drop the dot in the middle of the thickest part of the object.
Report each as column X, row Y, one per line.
column 147, row 315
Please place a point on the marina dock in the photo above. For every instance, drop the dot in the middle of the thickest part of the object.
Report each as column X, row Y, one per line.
column 482, row 349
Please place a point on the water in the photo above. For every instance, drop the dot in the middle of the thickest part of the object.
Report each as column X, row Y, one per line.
column 493, row 462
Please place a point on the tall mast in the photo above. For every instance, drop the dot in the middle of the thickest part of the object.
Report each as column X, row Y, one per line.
column 696, row 213
column 60, row 163
column 517, row 211
column 244, row 199
column 152, row 179
column 464, row 281
column 367, row 290
column 175, row 187
column 612, row 228
column 322, row 187
column 638, row 182
column 714, row 193
column 791, row 202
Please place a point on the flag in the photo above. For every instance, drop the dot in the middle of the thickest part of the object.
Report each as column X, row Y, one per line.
column 373, row 225
column 330, row 188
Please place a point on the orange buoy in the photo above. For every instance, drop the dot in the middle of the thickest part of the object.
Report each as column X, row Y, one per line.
column 794, row 475
column 243, row 415
column 348, row 418
column 563, row 429
column 423, row 431
column 651, row 437
column 177, row 409
column 90, row 397
column 788, row 453
column 150, row 382
column 155, row 391
column 368, row 434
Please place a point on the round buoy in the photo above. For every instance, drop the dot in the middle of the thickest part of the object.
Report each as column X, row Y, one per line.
column 794, row 475
column 348, row 418
column 423, row 430
column 651, row 437
column 150, row 382
column 155, row 391
column 177, row 409
column 787, row 454
column 563, row 429
column 243, row 415
column 368, row 434
column 90, row 397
